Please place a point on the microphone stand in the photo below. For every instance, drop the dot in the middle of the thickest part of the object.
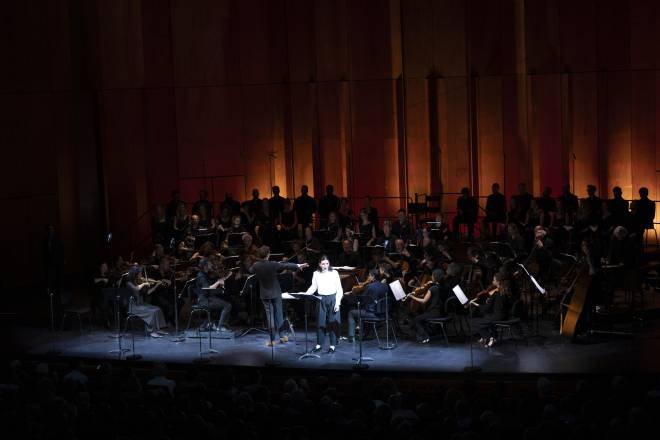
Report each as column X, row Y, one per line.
column 119, row 351
column 177, row 336
column 52, row 351
column 360, row 365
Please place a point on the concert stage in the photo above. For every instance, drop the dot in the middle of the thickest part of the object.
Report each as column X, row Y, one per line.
column 548, row 354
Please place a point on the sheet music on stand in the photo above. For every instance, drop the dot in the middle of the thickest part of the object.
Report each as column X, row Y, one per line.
column 397, row 290
column 460, row 294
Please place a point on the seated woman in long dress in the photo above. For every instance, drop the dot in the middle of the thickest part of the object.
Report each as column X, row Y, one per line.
column 152, row 315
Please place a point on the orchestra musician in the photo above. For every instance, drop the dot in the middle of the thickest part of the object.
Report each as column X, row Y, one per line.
column 271, row 291
column 375, row 288
column 327, row 284
column 434, row 297
column 208, row 287
column 495, row 210
column 152, row 315
column 495, row 308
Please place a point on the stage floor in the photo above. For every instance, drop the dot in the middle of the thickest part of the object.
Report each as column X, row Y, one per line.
column 550, row 354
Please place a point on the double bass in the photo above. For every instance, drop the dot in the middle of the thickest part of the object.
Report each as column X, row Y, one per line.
column 572, row 311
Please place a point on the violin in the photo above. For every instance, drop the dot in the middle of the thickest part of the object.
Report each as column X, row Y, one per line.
column 361, row 286
column 415, row 306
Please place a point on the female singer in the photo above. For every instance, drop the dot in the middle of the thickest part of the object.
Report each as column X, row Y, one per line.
column 327, row 284
column 150, row 314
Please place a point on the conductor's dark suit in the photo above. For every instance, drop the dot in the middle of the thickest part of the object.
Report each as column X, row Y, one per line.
column 271, row 292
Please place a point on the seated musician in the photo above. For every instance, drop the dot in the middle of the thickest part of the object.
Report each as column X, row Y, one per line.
column 348, row 256
column 206, row 220
column 515, row 239
column 487, row 266
column 386, row 238
column 161, row 295
column 208, row 287
column 433, row 297
column 312, row 246
column 224, row 219
column 186, row 248
column 495, row 308
column 548, row 207
column 402, row 227
column 466, row 213
column 152, row 315
column 376, row 288
column 495, row 210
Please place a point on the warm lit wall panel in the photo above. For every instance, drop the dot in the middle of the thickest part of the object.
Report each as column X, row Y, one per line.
column 263, row 137
column 643, row 128
column 454, row 140
column 332, row 47
column 490, row 140
column 120, row 39
column 577, row 33
column 617, row 147
column 542, row 36
column 583, row 130
column 546, row 133
column 515, row 133
column 333, row 121
column 262, row 41
column 205, row 42
column 160, row 140
column 369, row 42
column 157, row 43
column 613, row 34
column 303, row 112
column 418, row 157
column 300, row 39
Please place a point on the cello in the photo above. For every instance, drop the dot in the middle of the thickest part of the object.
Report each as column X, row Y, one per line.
column 572, row 311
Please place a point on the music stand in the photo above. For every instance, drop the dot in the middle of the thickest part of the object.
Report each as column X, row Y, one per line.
column 360, row 364
column 52, row 351
column 119, row 293
column 463, row 299
column 250, row 283
column 303, row 297
column 535, row 304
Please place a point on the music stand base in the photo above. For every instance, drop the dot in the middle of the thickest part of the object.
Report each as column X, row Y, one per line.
column 252, row 329
column 210, row 351
column 360, row 366
column 178, row 338
column 471, row 369
column 115, row 351
column 387, row 347
column 364, row 359
column 308, row 355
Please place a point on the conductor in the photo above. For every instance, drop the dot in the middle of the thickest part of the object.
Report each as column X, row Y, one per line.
column 270, row 290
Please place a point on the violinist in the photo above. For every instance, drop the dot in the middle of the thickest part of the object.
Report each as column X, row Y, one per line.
column 152, row 315
column 161, row 296
column 386, row 238
column 206, row 288
column 374, row 289
column 434, row 298
column 495, row 308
